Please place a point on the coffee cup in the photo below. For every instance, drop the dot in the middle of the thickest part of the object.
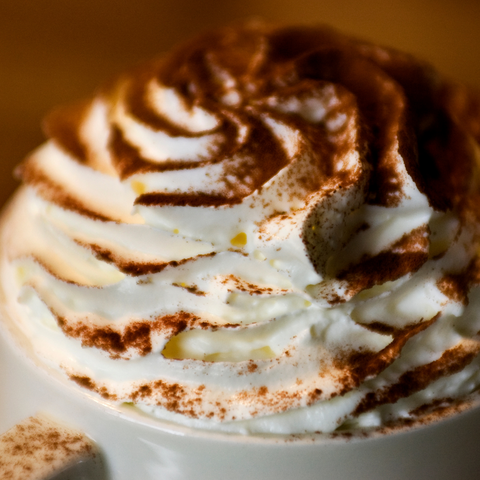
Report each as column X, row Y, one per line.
column 126, row 445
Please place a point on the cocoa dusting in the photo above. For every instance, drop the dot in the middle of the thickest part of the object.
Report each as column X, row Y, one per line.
column 184, row 200
column 401, row 101
column 390, row 111
column 53, row 192
column 133, row 338
column 382, row 106
column 358, row 366
column 62, row 125
column 252, row 366
column 38, row 444
column 429, row 413
column 405, row 256
column 133, row 268
column 237, row 284
column 193, row 289
column 141, row 108
column 452, row 361
column 455, row 287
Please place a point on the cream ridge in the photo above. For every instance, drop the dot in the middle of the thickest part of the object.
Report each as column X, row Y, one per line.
column 268, row 230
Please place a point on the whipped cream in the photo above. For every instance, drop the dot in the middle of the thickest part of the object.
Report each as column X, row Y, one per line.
column 269, row 230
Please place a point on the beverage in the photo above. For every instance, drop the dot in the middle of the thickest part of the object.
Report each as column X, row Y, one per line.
column 269, row 231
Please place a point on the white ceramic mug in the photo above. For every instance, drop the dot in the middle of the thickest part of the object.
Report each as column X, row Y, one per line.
column 135, row 447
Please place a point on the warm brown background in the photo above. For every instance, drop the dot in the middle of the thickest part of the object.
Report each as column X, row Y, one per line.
column 54, row 51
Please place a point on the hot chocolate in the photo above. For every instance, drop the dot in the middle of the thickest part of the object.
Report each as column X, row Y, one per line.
column 270, row 230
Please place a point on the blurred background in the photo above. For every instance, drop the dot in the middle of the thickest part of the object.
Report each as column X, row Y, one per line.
column 55, row 51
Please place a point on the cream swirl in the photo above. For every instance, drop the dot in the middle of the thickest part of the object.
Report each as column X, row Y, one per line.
column 268, row 230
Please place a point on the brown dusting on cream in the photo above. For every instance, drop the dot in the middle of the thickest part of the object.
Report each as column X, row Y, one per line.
column 426, row 414
column 429, row 413
column 172, row 396
column 236, row 284
column 135, row 338
column 63, row 126
column 193, row 289
column 357, row 367
column 39, row 447
column 263, row 399
column 199, row 401
column 128, row 160
column 53, row 192
column 175, row 397
column 443, row 117
column 407, row 114
column 250, row 56
column 126, row 266
column 402, row 117
column 134, row 268
column 252, row 366
column 436, row 407
column 184, row 200
column 382, row 105
column 452, row 361
column 382, row 328
column 88, row 383
column 455, row 287
column 140, row 106
column 405, row 256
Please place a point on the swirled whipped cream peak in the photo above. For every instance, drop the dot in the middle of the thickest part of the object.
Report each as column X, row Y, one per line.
column 268, row 230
